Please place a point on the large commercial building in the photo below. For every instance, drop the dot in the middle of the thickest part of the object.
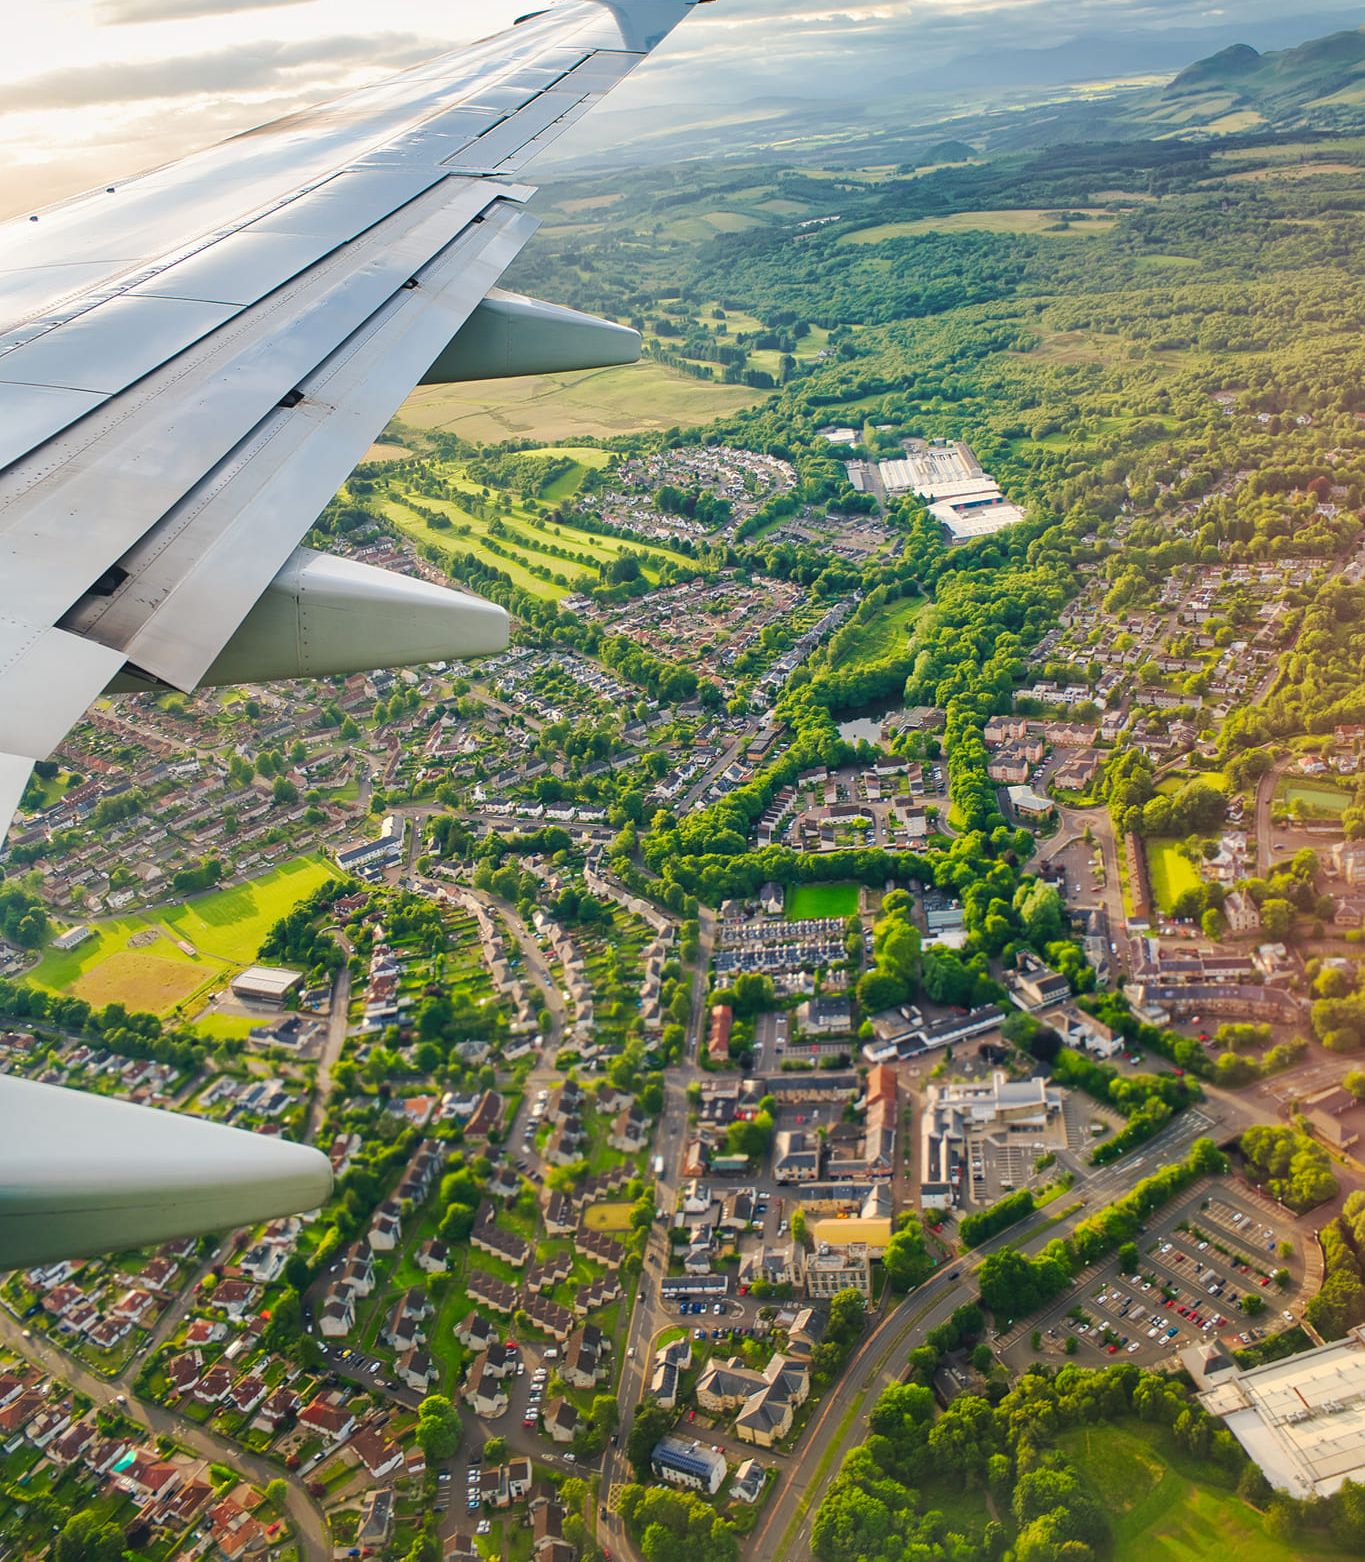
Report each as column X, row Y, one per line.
column 961, row 497
column 265, row 984
column 971, row 1119
column 1302, row 1420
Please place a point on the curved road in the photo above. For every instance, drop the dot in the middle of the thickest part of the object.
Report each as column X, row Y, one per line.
column 303, row 1513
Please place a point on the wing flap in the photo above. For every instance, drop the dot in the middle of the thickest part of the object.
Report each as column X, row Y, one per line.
column 47, row 678
column 304, row 459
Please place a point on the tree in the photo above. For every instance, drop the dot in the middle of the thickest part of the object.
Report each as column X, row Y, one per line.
column 907, row 1261
column 495, row 1448
column 277, row 1493
column 85, row 1537
column 650, row 1424
column 800, row 1232
column 438, row 1428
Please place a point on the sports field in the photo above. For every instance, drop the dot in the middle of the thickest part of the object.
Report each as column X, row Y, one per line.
column 1167, row 1507
column 805, row 901
column 1313, row 799
column 138, row 960
column 1172, row 872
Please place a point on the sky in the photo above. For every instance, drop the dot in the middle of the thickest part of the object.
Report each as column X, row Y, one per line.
column 94, row 90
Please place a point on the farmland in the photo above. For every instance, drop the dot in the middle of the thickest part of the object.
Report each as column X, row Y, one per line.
column 600, row 403
column 1085, row 224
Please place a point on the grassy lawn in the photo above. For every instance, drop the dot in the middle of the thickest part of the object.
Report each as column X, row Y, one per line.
column 596, row 402
column 1026, row 220
column 1166, row 1507
column 155, row 974
column 607, row 1217
column 884, row 635
column 1172, row 873
column 821, row 900
column 527, row 545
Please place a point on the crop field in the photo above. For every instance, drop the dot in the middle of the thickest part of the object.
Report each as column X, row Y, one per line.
column 806, row 901
column 543, row 557
column 1024, row 220
column 1166, row 1507
column 561, row 407
column 1172, row 873
column 136, row 960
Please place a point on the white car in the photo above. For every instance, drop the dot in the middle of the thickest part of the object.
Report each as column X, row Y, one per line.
column 1136, row 1345
column 483, row 1527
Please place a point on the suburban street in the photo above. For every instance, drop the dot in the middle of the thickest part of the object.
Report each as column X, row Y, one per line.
column 116, row 1395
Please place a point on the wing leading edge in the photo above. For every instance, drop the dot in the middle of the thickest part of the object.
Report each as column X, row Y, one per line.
column 190, row 365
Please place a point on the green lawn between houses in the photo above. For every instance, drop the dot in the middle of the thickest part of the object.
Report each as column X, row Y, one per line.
column 805, row 901
column 1167, row 1507
column 1172, row 872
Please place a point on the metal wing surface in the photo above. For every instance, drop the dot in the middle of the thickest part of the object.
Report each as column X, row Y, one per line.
column 191, row 363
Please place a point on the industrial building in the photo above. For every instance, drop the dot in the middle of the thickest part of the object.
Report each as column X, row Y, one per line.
column 265, row 984
column 961, row 496
column 1302, row 1420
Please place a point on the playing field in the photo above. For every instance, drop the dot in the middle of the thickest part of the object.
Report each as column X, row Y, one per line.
column 1172, row 872
column 1313, row 799
column 151, row 983
column 121, row 964
column 1166, row 1507
column 607, row 1217
column 821, row 900
column 555, row 407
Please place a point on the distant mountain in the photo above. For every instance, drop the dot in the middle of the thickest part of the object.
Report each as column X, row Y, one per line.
column 1279, row 84
column 1227, row 68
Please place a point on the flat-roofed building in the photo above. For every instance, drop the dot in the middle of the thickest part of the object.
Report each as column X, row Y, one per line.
column 265, row 984
column 830, row 1270
column 1302, row 1420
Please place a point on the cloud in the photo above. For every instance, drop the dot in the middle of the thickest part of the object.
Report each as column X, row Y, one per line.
column 253, row 68
column 118, row 13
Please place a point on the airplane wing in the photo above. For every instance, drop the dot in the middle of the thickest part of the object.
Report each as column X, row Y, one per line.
column 192, row 362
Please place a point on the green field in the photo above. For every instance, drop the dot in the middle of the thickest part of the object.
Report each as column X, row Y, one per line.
column 1172, row 872
column 1167, row 1507
column 1023, row 220
column 883, row 636
column 1313, row 799
column 225, row 928
column 525, row 537
column 805, row 901
column 554, row 407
